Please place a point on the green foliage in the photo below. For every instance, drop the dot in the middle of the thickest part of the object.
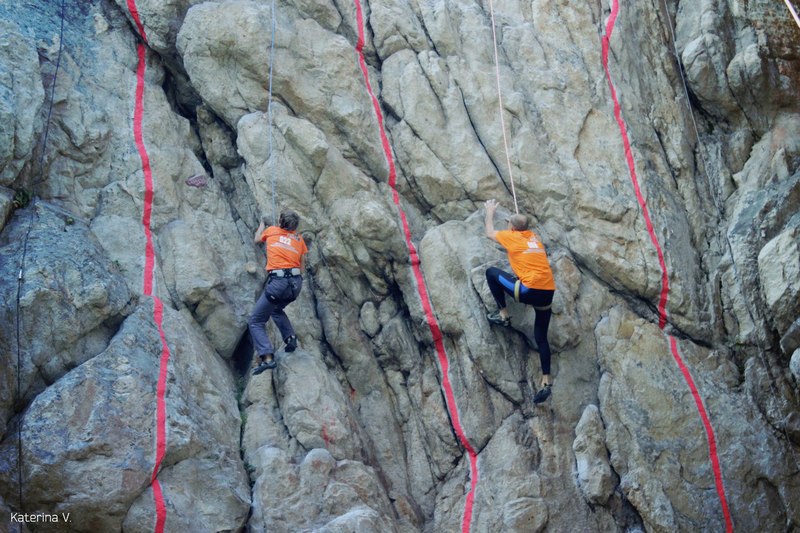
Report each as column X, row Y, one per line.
column 21, row 199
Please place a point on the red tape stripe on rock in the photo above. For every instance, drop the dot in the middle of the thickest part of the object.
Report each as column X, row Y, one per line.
column 422, row 289
column 148, row 275
column 662, row 303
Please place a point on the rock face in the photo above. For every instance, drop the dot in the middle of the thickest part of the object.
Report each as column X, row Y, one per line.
column 22, row 97
column 689, row 427
column 71, row 304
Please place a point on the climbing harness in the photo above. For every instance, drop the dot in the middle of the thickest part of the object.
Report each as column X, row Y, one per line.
column 500, row 101
column 793, row 11
column 427, row 307
column 518, row 288
column 662, row 312
column 269, row 113
column 21, row 271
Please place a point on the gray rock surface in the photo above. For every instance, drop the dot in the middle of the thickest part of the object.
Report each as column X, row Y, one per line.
column 354, row 430
column 21, row 98
column 65, row 309
column 595, row 476
column 99, row 463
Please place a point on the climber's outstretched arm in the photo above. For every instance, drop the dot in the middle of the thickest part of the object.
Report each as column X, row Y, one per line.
column 259, row 231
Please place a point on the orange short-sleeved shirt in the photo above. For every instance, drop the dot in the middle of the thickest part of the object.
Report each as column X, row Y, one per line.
column 528, row 258
column 285, row 249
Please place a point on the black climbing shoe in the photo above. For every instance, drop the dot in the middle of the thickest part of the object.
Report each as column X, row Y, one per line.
column 542, row 395
column 265, row 365
column 291, row 343
column 496, row 318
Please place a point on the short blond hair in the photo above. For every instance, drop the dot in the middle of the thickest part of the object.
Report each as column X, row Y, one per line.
column 518, row 222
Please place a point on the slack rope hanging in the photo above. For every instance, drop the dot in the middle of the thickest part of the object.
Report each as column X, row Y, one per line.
column 422, row 289
column 662, row 311
column 720, row 209
column 20, row 274
column 149, row 274
column 500, row 103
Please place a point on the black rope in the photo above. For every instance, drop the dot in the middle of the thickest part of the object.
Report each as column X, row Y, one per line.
column 757, row 333
column 20, row 274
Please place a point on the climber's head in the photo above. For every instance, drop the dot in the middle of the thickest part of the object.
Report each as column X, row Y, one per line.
column 289, row 220
column 518, row 222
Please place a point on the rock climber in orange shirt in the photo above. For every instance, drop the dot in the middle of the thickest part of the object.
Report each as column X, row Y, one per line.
column 285, row 263
column 533, row 283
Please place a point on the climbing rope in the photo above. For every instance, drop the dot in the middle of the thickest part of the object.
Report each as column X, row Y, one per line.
column 269, row 113
column 793, row 11
column 20, row 274
column 500, row 101
column 662, row 311
column 721, row 211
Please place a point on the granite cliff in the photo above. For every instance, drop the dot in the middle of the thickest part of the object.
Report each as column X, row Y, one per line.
column 655, row 144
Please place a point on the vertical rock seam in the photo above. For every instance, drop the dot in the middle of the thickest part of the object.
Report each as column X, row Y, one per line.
column 444, row 363
column 662, row 304
column 149, row 267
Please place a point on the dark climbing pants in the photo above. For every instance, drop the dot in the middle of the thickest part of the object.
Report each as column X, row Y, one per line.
column 502, row 283
column 277, row 294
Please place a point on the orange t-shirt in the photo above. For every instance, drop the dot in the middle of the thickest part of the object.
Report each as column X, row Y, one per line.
column 285, row 249
column 528, row 258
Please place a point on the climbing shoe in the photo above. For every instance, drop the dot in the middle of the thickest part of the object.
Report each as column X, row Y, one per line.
column 266, row 364
column 291, row 343
column 496, row 318
column 542, row 395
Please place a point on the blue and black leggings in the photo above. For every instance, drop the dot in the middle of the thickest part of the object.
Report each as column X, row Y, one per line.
column 502, row 283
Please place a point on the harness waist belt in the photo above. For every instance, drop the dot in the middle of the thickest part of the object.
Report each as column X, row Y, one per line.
column 284, row 272
column 518, row 286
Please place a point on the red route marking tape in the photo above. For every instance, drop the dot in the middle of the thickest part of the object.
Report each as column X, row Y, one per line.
column 149, row 267
column 662, row 303
column 325, row 436
column 422, row 289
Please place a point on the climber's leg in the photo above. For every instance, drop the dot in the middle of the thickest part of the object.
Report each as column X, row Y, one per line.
column 500, row 283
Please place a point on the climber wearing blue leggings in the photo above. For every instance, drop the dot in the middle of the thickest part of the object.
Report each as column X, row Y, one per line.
column 532, row 284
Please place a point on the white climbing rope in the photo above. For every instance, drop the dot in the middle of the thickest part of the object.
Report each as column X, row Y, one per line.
column 500, row 100
column 721, row 209
column 793, row 11
column 269, row 112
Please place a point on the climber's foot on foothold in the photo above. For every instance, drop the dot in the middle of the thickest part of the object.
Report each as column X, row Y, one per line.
column 496, row 318
column 543, row 394
column 291, row 343
column 266, row 364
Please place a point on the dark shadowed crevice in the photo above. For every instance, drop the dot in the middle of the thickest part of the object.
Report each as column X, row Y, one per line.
column 242, row 357
column 184, row 100
column 625, row 514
